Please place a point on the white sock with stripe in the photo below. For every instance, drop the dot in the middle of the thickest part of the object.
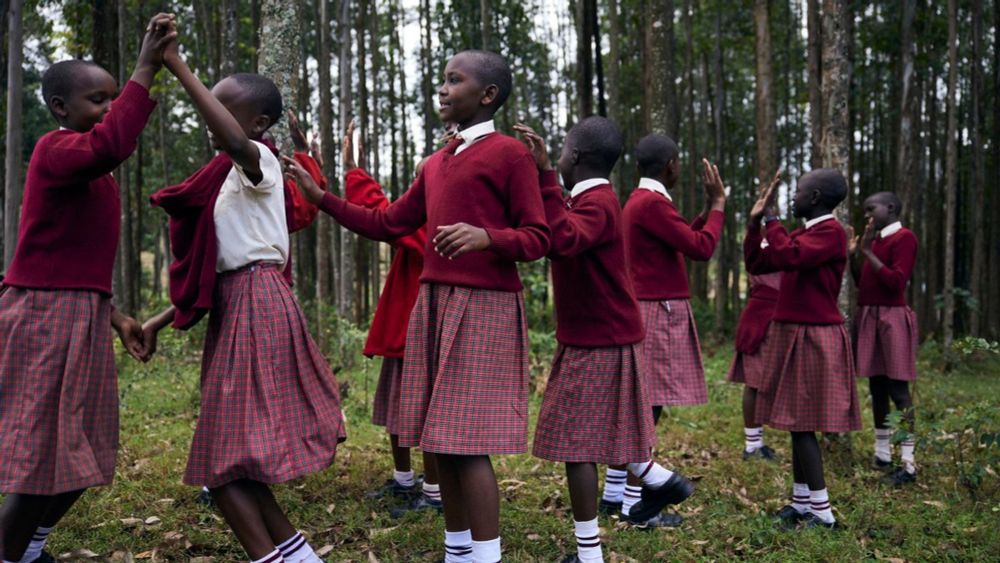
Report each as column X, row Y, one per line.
column 883, row 448
column 629, row 498
column 486, row 551
column 753, row 438
column 906, row 454
column 458, row 546
column 614, row 485
column 653, row 474
column 432, row 491
column 273, row 557
column 800, row 497
column 37, row 544
column 404, row 478
column 588, row 541
column 819, row 504
column 297, row 550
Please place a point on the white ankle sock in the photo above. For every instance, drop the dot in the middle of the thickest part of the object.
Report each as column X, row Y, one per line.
column 614, row 485
column 630, row 497
column 297, row 550
column 588, row 541
column 883, row 448
column 432, row 491
column 819, row 504
column 273, row 557
column 800, row 497
column 458, row 546
column 753, row 438
column 404, row 478
column 486, row 551
column 653, row 474
column 37, row 544
column 906, row 454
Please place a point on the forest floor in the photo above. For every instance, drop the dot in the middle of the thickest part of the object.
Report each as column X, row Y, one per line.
column 149, row 515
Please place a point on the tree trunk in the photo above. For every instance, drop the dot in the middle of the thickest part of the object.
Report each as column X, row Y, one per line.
column 614, row 86
column 279, row 57
column 727, row 246
column 658, row 70
column 324, row 224
column 346, row 272
column 767, row 147
column 814, row 56
column 978, row 171
column 584, row 60
column 595, row 25
column 124, row 294
column 907, row 101
column 486, row 25
column 426, row 77
column 104, row 32
column 951, row 181
column 994, row 288
column 13, row 184
column 255, row 23
column 230, row 36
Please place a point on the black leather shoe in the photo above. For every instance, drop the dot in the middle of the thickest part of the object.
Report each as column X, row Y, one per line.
column 879, row 464
column 422, row 502
column 900, row 477
column 788, row 517
column 811, row 521
column 45, row 557
column 391, row 487
column 570, row 559
column 763, row 452
column 661, row 520
column 608, row 508
column 653, row 501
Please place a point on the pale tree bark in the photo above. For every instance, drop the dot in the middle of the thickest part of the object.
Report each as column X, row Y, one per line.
column 13, row 184
column 905, row 160
column 767, row 146
column 427, row 76
column 230, row 36
column 324, row 224
column 486, row 24
column 814, row 57
column 614, row 87
column 951, row 181
column 584, row 60
column 125, row 294
column 279, row 57
column 660, row 107
column 346, row 272
column 978, row 171
column 595, row 26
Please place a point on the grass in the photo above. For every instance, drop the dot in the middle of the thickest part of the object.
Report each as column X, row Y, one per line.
column 149, row 515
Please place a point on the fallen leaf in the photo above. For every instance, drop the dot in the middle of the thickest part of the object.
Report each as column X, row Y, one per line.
column 934, row 503
column 533, row 537
column 131, row 522
column 372, row 558
column 324, row 550
column 202, row 559
column 374, row 533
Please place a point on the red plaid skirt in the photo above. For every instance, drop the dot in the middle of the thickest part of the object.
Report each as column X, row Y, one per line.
column 672, row 354
column 385, row 411
column 885, row 342
column 808, row 380
column 749, row 368
column 465, row 372
column 594, row 408
column 58, row 391
column 270, row 407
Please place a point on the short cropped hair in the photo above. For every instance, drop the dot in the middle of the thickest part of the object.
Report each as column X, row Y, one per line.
column 598, row 140
column 60, row 78
column 888, row 198
column 263, row 91
column 830, row 183
column 653, row 153
column 492, row 68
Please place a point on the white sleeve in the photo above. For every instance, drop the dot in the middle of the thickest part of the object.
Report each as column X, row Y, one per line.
column 270, row 169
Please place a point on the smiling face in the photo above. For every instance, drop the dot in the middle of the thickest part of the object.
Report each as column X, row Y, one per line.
column 91, row 98
column 879, row 212
column 244, row 108
column 462, row 98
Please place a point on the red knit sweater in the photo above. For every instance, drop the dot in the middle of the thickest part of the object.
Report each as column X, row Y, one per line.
column 493, row 184
column 658, row 239
column 595, row 302
column 813, row 262
column 887, row 286
column 387, row 335
column 71, row 213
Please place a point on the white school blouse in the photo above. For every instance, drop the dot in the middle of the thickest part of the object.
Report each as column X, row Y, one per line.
column 250, row 221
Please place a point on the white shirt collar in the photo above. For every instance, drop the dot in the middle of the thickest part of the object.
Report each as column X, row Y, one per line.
column 891, row 229
column 585, row 185
column 474, row 133
column 654, row 186
column 817, row 220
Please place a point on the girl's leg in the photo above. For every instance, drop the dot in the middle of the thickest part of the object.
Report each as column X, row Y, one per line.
column 582, row 479
column 810, row 459
column 240, row 508
column 749, row 402
column 400, row 455
column 275, row 520
column 479, row 485
column 900, row 393
column 20, row 516
column 879, row 386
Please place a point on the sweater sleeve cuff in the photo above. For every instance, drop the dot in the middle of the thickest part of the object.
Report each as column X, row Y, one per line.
column 503, row 242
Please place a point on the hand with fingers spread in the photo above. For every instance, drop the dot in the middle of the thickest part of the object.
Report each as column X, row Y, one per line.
column 765, row 203
column 715, row 188
column 455, row 240
column 869, row 235
column 295, row 131
column 296, row 173
column 536, row 145
column 853, row 240
column 347, row 149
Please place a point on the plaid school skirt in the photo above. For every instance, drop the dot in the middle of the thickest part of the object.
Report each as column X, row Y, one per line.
column 749, row 368
column 672, row 354
column 385, row 411
column 270, row 407
column 465, row 372
column 885, row 342
column 58, row 391
column 808, row 382
column 595, row 409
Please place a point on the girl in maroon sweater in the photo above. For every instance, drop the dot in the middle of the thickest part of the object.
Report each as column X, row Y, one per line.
column 885, row 329
column 465, row 372
column 808, row 380
column 58, row 386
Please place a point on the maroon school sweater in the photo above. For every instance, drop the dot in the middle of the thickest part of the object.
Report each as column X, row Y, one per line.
column 813, row 262
column 71, row 213
column 493, row 184
column 658, row 239
column 595, row 302
column 886, row 287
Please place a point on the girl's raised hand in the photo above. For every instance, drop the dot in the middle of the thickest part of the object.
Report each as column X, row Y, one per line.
column 302, row 179
column 766, row 199
column 348, row 150
column 536, row 145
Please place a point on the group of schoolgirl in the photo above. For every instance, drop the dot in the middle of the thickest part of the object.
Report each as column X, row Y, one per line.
column 456, row 382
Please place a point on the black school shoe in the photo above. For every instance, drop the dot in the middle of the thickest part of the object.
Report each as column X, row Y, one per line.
column 608, row 508
column 422, row 502
column 881, row 465
column 653, row 501
column 391, row 487
column 661, row 520
column 763, row 452
column 570, row 559
column 811, row 521
column 45, row 557
column 900, row 478
column 788, row 517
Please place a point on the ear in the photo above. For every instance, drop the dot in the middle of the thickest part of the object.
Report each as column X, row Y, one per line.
column 260, row 124
column 574, row 157
column 58, row 106
column 815, row 197
column 489, row 94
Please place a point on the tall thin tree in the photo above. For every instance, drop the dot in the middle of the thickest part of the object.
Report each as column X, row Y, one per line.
column 951, row 179
column 978, row 170
column 13, row 186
